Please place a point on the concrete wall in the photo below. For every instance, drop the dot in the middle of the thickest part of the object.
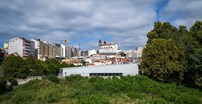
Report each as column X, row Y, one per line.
column 15, row 45
column 23, row 81
column 125, row 69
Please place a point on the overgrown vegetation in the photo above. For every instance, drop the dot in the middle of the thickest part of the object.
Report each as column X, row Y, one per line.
column 97, row 90
column 174, row 55
column 17, row 67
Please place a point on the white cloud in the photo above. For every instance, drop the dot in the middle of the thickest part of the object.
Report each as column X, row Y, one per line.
column 182, row 12
column 87, row 21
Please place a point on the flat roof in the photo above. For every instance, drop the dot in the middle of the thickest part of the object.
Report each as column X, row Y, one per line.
column 115, row 68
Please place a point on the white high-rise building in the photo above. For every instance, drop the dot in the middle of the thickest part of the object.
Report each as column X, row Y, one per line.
column 139, row 51
column 131, row 53
column 21, row 46
column 36, row 47
column 62, row 50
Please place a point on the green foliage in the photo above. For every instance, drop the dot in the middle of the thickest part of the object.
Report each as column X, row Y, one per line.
column 17, row 67
column 73, row 78
column 13, row 81
column 128, row 89
column 13, row 66
column 166, row 44
column 94, row 99
column 53, row 78
column 2, row 85
column 164, row 62
column 122, row 54
column 162, row 30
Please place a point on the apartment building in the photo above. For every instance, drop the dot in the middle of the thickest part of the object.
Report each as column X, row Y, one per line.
column 45, row 50
column 21, row 46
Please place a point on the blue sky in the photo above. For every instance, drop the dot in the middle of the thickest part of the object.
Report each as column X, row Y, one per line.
column 84, row 22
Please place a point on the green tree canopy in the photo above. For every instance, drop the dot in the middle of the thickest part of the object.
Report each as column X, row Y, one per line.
column 164, row 60
column 171, row 51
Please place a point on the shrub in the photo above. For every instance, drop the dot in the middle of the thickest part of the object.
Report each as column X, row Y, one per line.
column 13, row 81
column 73, row 78
column 53, row 79
column 94, row 99
column 2, row 85
column 187, row 99
column 159, row 101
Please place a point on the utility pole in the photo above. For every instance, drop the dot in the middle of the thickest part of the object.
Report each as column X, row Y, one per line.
column 79, row 49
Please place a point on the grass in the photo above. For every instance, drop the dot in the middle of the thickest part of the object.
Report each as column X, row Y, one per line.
column 96, row 90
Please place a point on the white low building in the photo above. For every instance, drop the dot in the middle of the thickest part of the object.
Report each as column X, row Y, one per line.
column 92, row 52
column 108, row 70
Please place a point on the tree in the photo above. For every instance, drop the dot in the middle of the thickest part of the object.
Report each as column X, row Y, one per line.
column 13, row 66
column 123, row 54
column 162, row 30
column 196, row 31
column 32, row 66
column 194, row 55
column 164, row 60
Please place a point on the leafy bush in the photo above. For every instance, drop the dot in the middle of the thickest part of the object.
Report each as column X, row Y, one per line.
column 13, row 81
column 73, row 78
column 94, row 99
column 17, row 67
column 53, row 78
column 159, row 101
column 2, row 85
column 96, row 90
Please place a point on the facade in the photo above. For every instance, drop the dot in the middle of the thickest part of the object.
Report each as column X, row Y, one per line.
column 62, row 50
column 92, row 52
column 68, row 52
column 106, row 48
column 6, row 47
column 52, row 50
column 36, row 48
column 71, row 52
column 58, row 50
column 131, row 53
column 75, row 62
column 108, row 70
column 84, row 53
column 75, row 51
column 21, row 46
column 139, row 51
column 41, row 49
column 44, row 50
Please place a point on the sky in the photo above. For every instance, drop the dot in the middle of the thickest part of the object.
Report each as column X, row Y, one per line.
column 84, row 22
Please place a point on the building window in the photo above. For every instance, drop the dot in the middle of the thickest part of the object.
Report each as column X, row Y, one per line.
column 106, row 74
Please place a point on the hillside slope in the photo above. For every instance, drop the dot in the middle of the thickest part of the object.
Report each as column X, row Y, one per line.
column 76, row 89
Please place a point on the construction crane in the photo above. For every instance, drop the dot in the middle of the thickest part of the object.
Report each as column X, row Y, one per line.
column 65, row 42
